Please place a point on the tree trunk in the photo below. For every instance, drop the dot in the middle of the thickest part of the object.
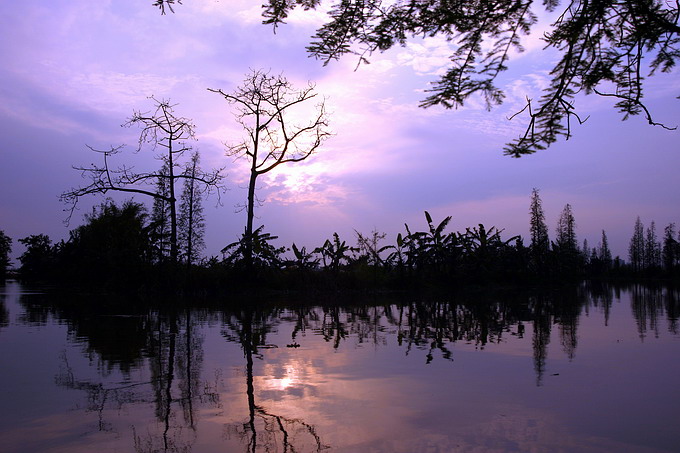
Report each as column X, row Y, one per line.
column 173, row 205
column 248, row 253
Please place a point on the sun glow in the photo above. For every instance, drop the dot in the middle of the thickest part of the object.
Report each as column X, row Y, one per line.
column 289, row 378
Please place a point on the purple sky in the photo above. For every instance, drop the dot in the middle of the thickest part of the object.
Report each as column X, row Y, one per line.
column 73, row 70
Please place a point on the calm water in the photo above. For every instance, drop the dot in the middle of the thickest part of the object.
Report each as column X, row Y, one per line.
column 574, row 372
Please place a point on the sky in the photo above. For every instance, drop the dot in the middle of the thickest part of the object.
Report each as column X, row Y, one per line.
column 73, row 71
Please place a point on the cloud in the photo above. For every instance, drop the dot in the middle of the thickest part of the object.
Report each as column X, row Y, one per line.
column 427, row 56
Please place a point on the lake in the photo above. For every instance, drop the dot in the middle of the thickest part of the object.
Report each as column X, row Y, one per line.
column 584, row 369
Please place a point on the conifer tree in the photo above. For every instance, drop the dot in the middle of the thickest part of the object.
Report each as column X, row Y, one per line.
column 652, row 253
column 605, row 255
column 5, row 250
column 586, row 249
column 161, row 218
column 670, row 247
column 566, row 230
column 191, row 220
column 636, row 249
column 540, row 242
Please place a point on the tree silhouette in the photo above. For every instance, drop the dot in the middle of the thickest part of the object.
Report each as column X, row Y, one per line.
column 652, row 253
column 161, row 218
column 604, row 47
column 671, row 249
column 566, row 230
column 5, row 250
column 38, row 259
column 111, row 250
column 165, row 133
column 266, row 106
column 540, row 241
column 604, row 253
column 636, row 249
column 191, row 220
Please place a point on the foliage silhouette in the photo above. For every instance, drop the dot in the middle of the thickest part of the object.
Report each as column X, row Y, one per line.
column 37, row 262
column 604, row 48
column 113, row 249
column 262, row 253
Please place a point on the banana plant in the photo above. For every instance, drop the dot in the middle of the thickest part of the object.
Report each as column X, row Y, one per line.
column 333, row 253
column 483, row 247
column 264, row 253
column 303, row 260
column 398, row 256
column 479, row 239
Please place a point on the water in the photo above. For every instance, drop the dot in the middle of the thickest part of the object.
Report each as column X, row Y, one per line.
column 576, row 371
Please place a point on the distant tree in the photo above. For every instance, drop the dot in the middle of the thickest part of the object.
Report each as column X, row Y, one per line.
column 5, row 250
column 652, row 251
column 191, row 219
column 161, row 218
column 604, row 254
column 585, row 251
column 671, row 248
column 566, row 230
column 540, row 242
column 161, row 131
column 636, row 249
column 265, row 108
column 568, row 257
column 37, row 262
column 604, row 47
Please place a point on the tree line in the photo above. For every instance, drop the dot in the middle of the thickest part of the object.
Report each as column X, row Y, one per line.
column 130, row 246
column 123, row 247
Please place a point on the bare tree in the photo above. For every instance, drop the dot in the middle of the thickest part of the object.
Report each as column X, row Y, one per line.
column 265, row 106
column 165, row 134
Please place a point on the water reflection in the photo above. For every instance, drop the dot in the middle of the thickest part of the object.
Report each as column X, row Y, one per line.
column 650, row 304
column 292, row 376
column 264, row 429
column 170, row 345
column 4, row 313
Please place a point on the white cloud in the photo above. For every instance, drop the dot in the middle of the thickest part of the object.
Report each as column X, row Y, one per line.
column 428, row 56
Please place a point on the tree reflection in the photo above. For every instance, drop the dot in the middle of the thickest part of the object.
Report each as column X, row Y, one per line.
column 150, row 362
column 541, row 310
column 4, row 313
column 672, row 299
column 264, row 430
column 173, row 349
column 651, row 303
